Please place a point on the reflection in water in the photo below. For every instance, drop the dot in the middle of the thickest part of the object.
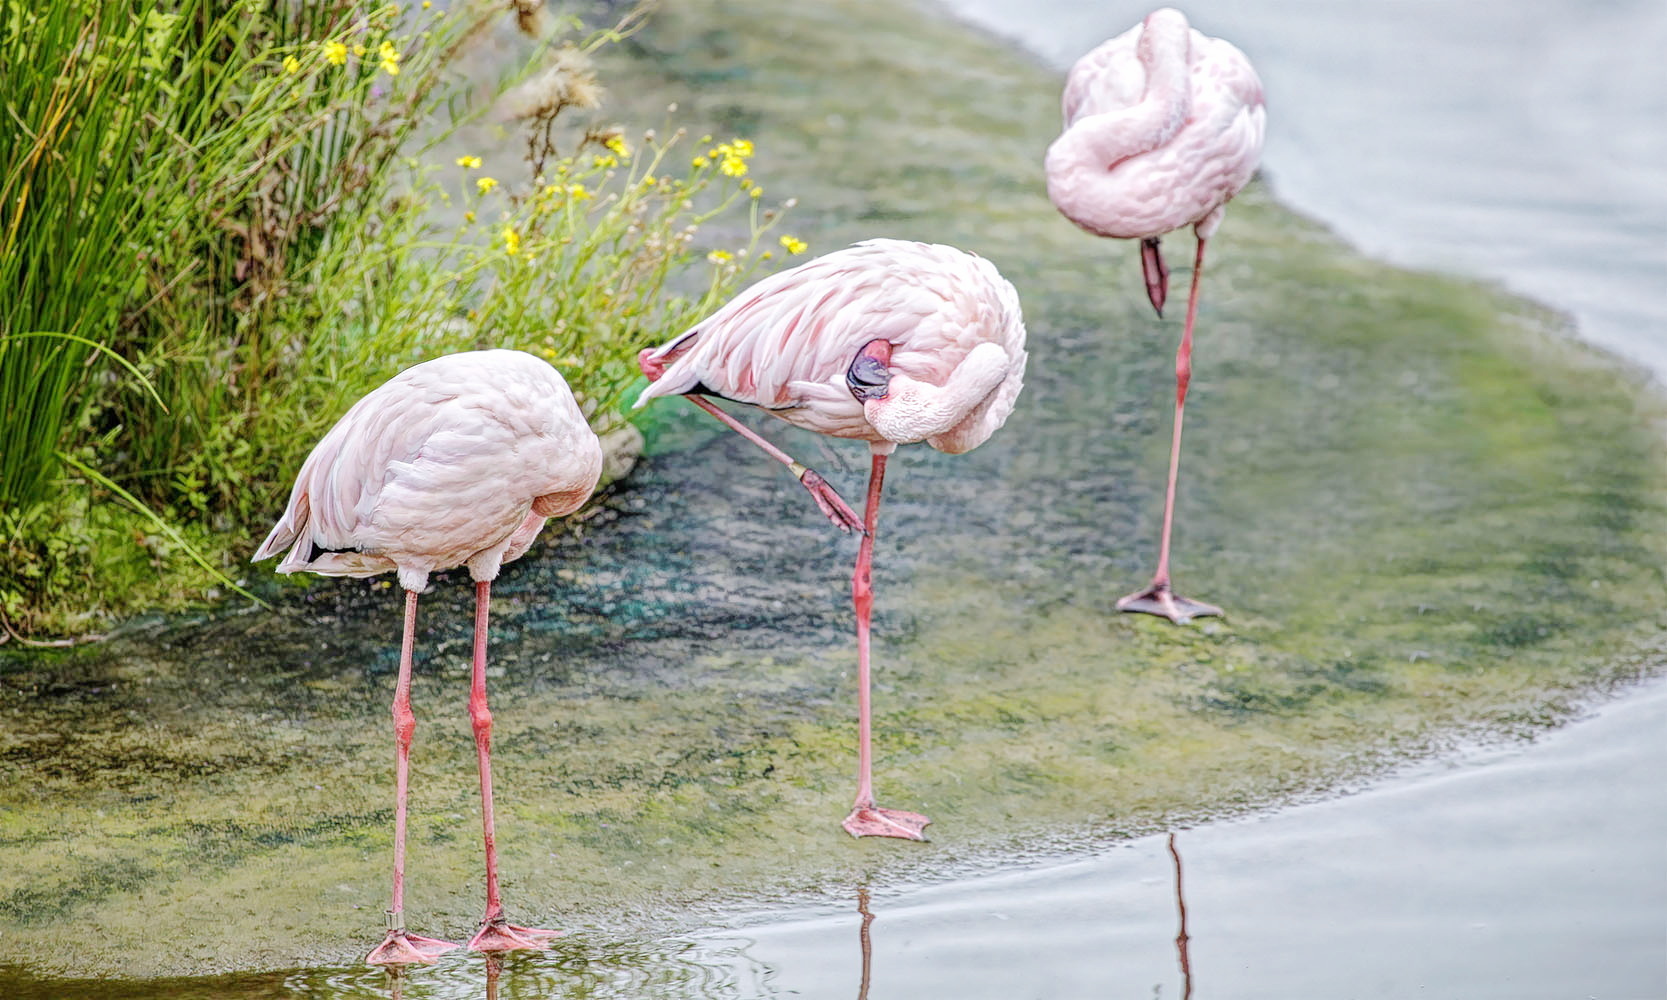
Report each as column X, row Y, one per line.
column 867, row 939
column 1181, row 938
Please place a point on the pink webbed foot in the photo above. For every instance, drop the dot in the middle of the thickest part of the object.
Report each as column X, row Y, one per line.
column 831, row 504
column 501, row 935
column 872, row 821
column 1159, row 600
column 403, row 948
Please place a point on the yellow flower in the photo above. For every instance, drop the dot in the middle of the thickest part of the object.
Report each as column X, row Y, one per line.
column 619, row 146
column 390, row 58
column 359, row 51
column 512, row 241
column 733, row 166
column 468, row 216
column 427, row 4
column 649, row 180
column 604, row 162
column 486, row 184
column 335, row 53
column 757, row 191
column 741, row 147
column 292, row 64
column 577, row 192
column 468, row 162
column 720, row 256
column 699, row 161
column 794, row 245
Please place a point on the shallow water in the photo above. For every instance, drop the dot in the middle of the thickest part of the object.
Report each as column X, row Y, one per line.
column 1517, row 872
column 1429, row 516
column 1513, row 872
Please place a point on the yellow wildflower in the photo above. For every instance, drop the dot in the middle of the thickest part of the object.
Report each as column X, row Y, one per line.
column 486, row 184
column 757, row 191
column 468, row 162
column 427, row 4
column 794, row 245
column 468, row 216
column 577, row 192
column 699, row 161
column 733, row 166
column 390, row 58
column 619, row 147
column 359, row 51
column 604, row 162
column 335, row 53
column 292, row 64
column 512, row 241
column 741, row 147
column 720, row 256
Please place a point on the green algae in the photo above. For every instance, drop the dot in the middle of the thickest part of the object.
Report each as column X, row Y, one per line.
column 1427, row 513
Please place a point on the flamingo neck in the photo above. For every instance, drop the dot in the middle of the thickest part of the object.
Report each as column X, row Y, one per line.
column 914, row 410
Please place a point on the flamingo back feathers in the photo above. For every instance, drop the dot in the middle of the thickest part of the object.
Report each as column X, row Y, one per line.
column 785, row 342
column 438, row 467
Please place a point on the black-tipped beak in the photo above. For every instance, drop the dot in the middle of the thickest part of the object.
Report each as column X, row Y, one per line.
column 867, row 378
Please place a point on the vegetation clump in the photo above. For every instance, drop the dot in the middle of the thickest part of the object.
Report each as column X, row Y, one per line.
column 221, row 223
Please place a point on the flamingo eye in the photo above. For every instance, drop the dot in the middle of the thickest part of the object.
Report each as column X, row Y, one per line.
column 867, row 378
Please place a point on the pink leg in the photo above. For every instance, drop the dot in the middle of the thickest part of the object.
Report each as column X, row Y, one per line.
column 400, row 947
column 831, row 504
column 1158, row 598
column 1152, row 268
column 496, row 933
column 867, row 819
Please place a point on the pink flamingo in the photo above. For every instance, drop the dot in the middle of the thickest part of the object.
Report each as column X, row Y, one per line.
column 1163, row 126
column 886, row 342
column 457, row 461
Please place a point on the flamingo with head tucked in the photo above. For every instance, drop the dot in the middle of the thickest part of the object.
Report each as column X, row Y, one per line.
column 1163, row 126
column 887, row 342
column 456, row 461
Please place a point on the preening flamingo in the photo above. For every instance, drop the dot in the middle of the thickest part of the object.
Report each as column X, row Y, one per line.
column 887, row 342
column 456, row 461
column 1163, row 126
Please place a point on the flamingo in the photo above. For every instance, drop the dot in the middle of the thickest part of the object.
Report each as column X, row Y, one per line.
column 456, row 461
column 1163, row 126
column 888, row 342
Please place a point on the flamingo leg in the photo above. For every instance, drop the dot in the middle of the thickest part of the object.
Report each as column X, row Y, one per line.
column 1156, row 273
column 400, row 947
column 867, row 819
column 1159, row 598
column 496, row 933
column 831, row 504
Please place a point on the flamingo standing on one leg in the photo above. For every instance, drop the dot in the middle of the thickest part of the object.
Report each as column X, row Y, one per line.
column 454, row 462
column 1163, row 126
column 887, row 342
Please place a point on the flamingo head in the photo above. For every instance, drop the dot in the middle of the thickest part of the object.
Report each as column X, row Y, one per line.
column 868, row 377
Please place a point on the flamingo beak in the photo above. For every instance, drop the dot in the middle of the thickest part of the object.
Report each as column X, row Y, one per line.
column 868, row 377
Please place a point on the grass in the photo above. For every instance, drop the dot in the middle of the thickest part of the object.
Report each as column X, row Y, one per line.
column 260, row 231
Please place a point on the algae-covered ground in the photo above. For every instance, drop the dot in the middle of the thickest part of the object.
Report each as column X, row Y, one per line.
column 1426, row 512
